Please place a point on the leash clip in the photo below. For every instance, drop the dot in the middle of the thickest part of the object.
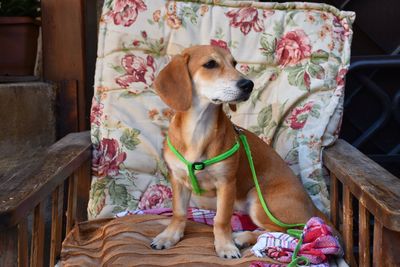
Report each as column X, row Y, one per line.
column 198, row 165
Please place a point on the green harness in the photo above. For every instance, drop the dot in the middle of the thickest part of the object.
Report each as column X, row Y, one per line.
column 200, row 165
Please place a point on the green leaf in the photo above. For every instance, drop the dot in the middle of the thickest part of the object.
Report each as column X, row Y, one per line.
column 127, row 94
column 290, row 19
column 312, row 188
column 292, row 157
column 319, row 56
column 109, row 3
column 265, row 116
column 119, row 69
column 132, row 203
column 98, row 196
column 316, row 71
column 117, row 209
column 296, row 76
column 129, row 138
column 278, row 28
column 150, row 21
column 268, row 46
column 256, row 130
column 118, row 194
column 315, row 111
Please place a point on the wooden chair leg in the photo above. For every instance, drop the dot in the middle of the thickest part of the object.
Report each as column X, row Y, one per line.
column 334, row 196
column 364, row 240
column 9, row 247
column 56, row 223
column 37, row 244
column 71, row 203
column 23, row 257
column 348, row 226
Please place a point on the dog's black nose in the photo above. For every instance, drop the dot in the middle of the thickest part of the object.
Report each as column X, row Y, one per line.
column 245, row 85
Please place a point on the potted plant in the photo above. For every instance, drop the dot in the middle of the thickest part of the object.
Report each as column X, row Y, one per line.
column 19, row 29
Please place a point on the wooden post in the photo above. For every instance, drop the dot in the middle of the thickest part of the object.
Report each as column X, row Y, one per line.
column 56, row 223
column 364, row 242
column 23, row 257
column 9, row 247
column 334, row 196
column 348, row 225
column 83, row 187
column 64, row 48
column 37, row 244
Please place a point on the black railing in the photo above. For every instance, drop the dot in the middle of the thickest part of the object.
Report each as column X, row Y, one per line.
column 372, row 109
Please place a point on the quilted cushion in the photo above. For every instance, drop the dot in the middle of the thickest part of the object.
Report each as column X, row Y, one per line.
column 296, row 53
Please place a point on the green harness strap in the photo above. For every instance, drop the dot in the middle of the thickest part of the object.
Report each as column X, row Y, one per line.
column 196, row 166
column 200, row 165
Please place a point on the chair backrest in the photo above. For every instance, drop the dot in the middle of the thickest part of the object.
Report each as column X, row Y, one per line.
column 296, row 53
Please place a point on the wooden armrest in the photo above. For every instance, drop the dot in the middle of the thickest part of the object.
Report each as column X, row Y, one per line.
column 373, row 186
column 24, row 187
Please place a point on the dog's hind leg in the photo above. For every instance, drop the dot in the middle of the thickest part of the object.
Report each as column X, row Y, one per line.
column 259, row 218
column 246, row 238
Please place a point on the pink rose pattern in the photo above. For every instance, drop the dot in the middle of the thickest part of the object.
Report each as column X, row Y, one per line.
column 289, row 50
column 96, row 112
column 155, row 196
column 298, row 117
column 292, row 48
column 107, row 157
column 340, row 77
column 137, row 69
column 219, row 43
column 125, row 12
column 246, row 19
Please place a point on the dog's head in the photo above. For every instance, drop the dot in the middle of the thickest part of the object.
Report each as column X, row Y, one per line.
column 206, row 71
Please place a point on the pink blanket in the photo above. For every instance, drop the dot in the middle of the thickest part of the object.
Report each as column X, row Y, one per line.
column 318, row 244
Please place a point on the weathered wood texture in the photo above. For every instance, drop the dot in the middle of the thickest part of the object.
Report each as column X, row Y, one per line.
column 334, row 198
column 56, row 223
column 37, row 243
column 23, row 257
column 64, row 48
column 27, row 115
column 348, row 225
column 47, row 169
column 373, row 186
column 364, row 239
column 67, row 110
column 25, row 193
column 9, row 247
column 377, row 193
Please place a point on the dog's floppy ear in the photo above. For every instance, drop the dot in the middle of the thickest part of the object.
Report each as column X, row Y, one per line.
column 174, row 84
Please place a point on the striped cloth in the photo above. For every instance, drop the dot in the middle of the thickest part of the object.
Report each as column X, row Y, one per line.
column 239, row 221
column 318, row 241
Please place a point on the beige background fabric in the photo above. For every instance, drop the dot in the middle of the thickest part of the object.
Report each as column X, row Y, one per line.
column 296, row 53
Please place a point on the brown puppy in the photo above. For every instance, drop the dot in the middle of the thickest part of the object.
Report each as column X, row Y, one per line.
column 195, row 84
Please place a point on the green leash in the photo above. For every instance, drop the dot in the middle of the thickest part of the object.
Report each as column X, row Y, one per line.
column 293, row 232
column 196, row 166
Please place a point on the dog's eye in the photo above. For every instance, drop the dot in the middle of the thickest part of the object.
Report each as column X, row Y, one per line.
column 210, row 64
column 234, row 63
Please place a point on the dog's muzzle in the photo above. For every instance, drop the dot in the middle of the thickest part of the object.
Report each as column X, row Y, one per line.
column 246, row 87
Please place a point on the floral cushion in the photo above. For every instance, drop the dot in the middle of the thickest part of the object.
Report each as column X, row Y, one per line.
column 296, row 53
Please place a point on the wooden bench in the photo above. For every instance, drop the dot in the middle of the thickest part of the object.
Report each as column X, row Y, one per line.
column 62, row 172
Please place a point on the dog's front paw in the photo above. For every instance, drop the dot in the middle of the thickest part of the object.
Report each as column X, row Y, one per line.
column 165, row 240
column 228, row 251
